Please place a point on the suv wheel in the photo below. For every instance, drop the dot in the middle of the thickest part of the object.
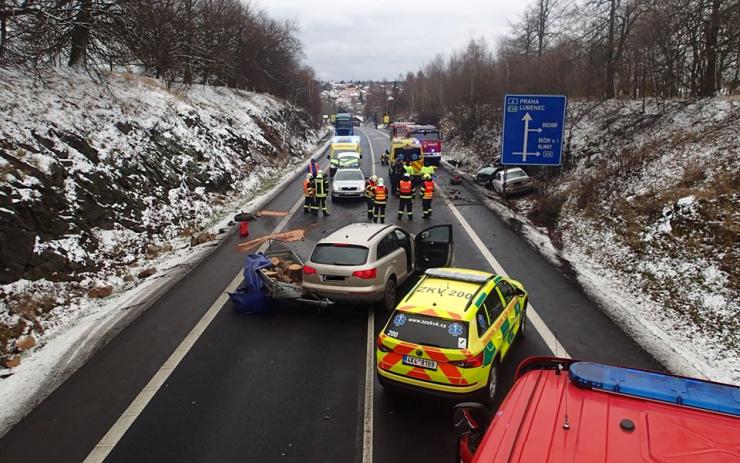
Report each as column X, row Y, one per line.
column 389, row 295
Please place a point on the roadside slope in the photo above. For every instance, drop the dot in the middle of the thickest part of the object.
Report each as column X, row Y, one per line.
column 645, row 211
column 108, row 189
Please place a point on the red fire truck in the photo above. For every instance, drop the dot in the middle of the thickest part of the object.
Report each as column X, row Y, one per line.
column 563, row 410
column 400, row 130
column 431, row 143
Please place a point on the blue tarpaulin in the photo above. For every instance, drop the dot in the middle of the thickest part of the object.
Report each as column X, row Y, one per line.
column 250, row 297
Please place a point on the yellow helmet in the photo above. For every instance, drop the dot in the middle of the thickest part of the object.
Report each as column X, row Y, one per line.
column 427, row 177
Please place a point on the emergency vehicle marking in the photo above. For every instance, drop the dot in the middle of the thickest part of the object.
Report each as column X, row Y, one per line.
column 442, row 291
column 498, row 336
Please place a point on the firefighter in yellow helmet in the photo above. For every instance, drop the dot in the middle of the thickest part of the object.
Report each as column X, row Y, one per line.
column 308, row 194
column 322, row 189
column 427, row 192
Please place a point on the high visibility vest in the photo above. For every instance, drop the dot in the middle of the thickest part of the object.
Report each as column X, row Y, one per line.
column 428, row 189
column 321, row 187
column 381, row 194
column 307, row 188
column 406, row 188
column 427, row 170
column 369, row 189
column 409, row 170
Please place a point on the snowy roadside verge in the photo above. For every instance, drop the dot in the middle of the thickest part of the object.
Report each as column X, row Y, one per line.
column 71, row 343
column 630, row 314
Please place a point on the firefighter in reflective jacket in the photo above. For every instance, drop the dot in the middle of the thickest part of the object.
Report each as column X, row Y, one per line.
column 426, row 192
column 322, row 188
column 369, row 194
column 308, row 194
column 380, row 199
column 406, row 195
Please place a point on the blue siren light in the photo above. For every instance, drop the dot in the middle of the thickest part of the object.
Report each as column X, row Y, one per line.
column 696, row 393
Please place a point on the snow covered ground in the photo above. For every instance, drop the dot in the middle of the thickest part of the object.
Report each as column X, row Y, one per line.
column 102, row 185
column 646, row 212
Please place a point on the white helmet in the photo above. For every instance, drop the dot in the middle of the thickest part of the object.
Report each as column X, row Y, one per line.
column 309, row 176
column 374, row 178
column 380, row 181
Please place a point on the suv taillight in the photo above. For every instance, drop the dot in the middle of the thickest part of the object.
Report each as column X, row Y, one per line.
column 309, row 270
column 470, row 362
column 366, row 274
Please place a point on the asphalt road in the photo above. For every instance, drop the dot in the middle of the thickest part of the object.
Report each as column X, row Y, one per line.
column 289, row 386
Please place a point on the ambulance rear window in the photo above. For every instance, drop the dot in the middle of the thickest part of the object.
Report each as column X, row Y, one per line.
column 428, row 330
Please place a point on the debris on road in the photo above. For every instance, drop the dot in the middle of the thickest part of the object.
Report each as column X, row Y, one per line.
column 272, row 213
column 286, row 237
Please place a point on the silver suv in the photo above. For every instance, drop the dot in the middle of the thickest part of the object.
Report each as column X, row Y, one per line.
column 366, row 262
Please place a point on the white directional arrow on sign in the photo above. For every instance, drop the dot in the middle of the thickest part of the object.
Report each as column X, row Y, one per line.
column 527, row 119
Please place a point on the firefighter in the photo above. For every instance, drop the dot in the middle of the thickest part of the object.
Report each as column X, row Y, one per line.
column 384, row 158
column 380, row 199
column 308, row 193
column 395, row 172
column 406, row 197
column 322, row 188
column 427, row 170
column 369, row 193
column 408, row 169
column 426, row 192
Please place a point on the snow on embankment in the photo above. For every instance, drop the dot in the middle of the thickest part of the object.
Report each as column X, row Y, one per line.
column 647, row 213
column 101, row 183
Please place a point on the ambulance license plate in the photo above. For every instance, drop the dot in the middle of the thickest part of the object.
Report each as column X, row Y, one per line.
column 418, row 362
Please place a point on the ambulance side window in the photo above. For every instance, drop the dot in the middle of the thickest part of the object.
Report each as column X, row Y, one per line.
column 493, row 305
column 507, row 291
column 481, row 318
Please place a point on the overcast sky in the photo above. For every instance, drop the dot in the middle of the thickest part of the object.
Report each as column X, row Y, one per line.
column 361, row 39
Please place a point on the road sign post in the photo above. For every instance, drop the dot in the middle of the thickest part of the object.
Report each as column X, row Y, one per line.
column 533, row 130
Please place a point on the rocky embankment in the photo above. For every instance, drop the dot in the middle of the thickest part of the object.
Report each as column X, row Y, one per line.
column 97, row 177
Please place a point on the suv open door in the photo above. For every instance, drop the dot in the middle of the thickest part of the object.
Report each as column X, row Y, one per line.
column 434, row 248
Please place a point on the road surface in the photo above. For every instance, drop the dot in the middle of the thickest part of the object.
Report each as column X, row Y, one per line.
column 290, row 385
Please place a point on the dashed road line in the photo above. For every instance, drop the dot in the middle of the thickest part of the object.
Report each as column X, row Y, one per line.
column 367, row 422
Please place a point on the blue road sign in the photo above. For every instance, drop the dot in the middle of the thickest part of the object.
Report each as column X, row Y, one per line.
column 533, row 130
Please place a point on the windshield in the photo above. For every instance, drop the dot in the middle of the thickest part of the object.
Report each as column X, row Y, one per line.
column 339, row 254
column 344, row 175
column 401, row 132
column 425, row 135
column 428, row 331
column 408, row 154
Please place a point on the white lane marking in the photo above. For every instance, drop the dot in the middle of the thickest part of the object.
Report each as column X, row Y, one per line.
column 552, row 342
column 119, row 428
column 367, row 433
column 372, row 151
column 367, row 422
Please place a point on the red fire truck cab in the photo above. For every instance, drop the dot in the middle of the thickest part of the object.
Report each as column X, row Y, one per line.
column 431, row 143
column 400, row 130
column 562, row 410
